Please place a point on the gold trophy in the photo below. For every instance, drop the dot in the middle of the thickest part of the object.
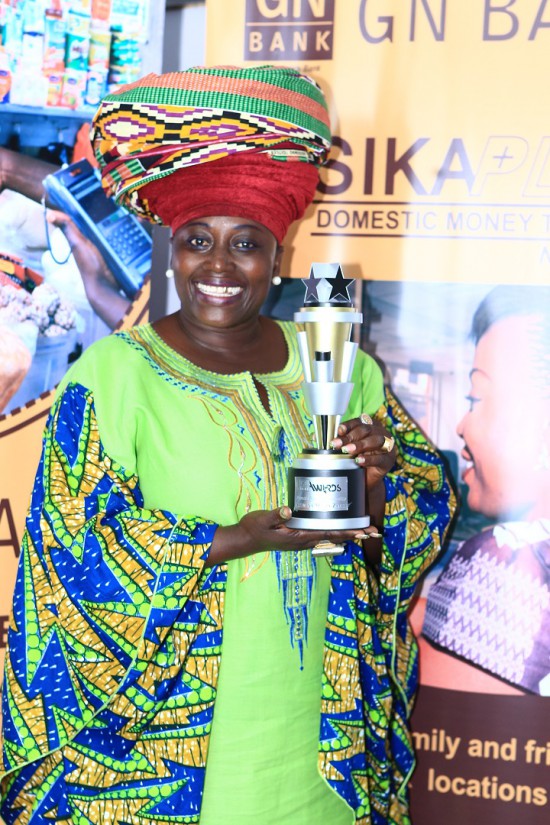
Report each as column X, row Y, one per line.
column 326, row 487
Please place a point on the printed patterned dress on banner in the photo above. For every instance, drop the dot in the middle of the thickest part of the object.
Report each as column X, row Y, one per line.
column 115, row 661
column 468, row 608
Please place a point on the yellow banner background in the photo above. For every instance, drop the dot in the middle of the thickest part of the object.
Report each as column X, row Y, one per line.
column 438, row 188
column 441, row 165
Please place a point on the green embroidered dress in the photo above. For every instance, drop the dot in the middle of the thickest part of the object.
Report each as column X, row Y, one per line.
column 143, row 687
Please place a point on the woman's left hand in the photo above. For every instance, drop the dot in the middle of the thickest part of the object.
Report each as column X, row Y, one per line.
column 369, row 444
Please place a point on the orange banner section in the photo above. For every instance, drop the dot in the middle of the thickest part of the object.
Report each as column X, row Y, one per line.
column 20, row 444
column 437, row 192
column 441, row 165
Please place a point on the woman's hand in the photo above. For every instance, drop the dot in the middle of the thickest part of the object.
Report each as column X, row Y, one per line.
column 265, row 530
column 370, row 445
column 101, row 288
column 373, row 448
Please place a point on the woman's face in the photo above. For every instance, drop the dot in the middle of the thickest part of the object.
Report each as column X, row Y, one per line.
column 503, row 428
column 223, row 268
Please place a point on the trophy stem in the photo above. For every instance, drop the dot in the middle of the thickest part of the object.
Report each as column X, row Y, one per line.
column 332, row 426
column 324, row 431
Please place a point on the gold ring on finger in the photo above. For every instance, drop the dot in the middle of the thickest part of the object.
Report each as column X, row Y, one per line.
column 365, row 419
column 388, row 444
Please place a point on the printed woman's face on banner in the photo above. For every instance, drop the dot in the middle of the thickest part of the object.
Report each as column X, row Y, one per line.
column 505, row 430
column 483, row 615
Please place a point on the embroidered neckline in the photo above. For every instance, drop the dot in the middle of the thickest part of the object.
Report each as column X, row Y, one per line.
column 166, row 355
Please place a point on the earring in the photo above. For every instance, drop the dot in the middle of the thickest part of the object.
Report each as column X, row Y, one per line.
column 170, row 273
column 276, row 280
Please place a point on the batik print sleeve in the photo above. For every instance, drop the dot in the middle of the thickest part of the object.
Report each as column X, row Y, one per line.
column 101, row 583
column 420, row 503
column 370, row 664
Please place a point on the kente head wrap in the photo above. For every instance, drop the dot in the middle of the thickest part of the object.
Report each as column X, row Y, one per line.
column 232, row 138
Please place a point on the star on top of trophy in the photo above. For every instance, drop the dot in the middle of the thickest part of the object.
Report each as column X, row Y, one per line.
column 326, row 285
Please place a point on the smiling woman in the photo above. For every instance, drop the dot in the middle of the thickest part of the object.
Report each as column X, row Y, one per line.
column 491, row 604
column 177, row 652
column 223, row 270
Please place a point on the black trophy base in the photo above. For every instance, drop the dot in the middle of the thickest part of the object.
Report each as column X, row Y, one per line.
column 326, row 492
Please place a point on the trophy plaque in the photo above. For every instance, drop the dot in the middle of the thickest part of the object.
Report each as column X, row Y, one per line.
column 326, row 487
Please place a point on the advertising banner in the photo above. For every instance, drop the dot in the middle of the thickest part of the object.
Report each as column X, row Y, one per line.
column 437, row 195
column 471, row 364
column 67, row 276
column 441, row 160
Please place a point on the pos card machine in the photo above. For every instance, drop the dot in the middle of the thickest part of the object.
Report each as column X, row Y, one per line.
column 124, row 243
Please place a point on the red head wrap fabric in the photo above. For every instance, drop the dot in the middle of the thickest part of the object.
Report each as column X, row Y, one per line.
column 230, row 139
column 250, row 186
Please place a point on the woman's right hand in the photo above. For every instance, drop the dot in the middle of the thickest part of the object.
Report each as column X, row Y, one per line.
column 264, row 530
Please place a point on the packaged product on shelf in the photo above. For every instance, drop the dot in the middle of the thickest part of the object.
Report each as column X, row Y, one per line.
column 125, row 61
column 32, row 50
column 74, row 89
column 95, row 86
column 54, row 40
column 78, row 23
column 12, row 32
column 101, row 10
column 54, row 51
column 130, row 14
column 77, row 44
column 69, row 52
column 6, row 12
column 32, row 13
column 28, row 87
column 55, row 87
column 79, row 6
column 100, row 46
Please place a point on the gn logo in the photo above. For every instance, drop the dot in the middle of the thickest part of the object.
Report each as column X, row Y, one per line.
column 289, row 30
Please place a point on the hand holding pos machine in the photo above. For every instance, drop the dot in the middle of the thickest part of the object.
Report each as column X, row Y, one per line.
column 326, row 487
column 124, row 243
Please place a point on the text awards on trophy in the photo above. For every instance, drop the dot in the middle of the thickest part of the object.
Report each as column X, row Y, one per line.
column 326, row 487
